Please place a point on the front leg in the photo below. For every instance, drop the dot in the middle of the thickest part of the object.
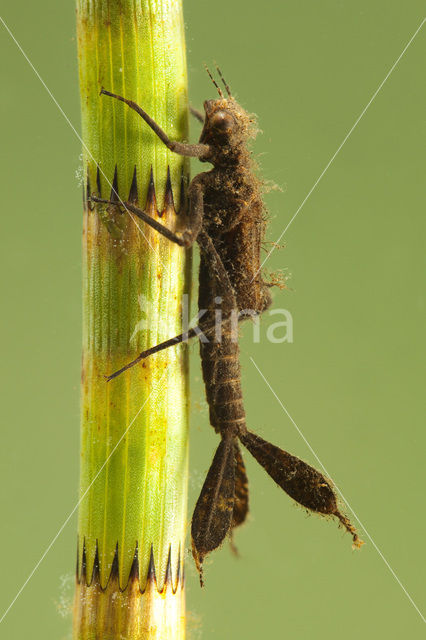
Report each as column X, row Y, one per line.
column 197, row 114
column 203, row 151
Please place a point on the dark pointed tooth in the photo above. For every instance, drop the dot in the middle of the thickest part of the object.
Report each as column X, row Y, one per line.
column 98, row 181
column 134, row 569
column 78, row 561
column 133, row 193
column 168, row 577
column 115, row 569
column 179, row 572
column 96, row 573
column 87, row 202
column 169, row 204
column 151, row 200
column 151, row 575
column 83, row 568
column 114, row 197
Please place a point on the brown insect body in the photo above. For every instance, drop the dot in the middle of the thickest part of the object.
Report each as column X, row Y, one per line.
column 226, row 218
column 233, row 206
column 234, row 219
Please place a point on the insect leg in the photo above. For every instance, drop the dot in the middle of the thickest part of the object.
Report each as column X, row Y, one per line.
column 196, row 217
column 189, row 235
column 171, row 342
column 185, row 241
column 183, row 149
column 205, row 242
column 197, row 114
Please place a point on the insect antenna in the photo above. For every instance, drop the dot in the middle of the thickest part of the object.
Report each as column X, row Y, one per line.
column 214, row 82
column 225, row 84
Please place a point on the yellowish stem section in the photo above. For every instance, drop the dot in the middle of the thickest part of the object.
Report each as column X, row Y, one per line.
column 130, row 614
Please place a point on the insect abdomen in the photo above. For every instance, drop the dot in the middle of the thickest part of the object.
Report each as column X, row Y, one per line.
column 222, row 378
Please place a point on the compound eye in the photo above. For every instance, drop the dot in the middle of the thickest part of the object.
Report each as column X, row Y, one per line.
column 222, row 121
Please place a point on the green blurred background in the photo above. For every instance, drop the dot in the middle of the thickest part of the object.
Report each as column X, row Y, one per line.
column 353, row 379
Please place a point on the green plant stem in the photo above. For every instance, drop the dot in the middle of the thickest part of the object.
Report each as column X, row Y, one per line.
column 133, row 483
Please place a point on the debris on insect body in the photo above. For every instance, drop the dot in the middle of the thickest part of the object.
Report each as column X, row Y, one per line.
column 226, row 219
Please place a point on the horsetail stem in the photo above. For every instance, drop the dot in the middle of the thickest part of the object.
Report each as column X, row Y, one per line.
column 133, row 481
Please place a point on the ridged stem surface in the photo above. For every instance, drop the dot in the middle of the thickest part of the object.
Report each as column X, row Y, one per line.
column 133, row 484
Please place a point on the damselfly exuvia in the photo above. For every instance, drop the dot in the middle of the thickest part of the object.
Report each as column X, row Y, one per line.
column 226, row 217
